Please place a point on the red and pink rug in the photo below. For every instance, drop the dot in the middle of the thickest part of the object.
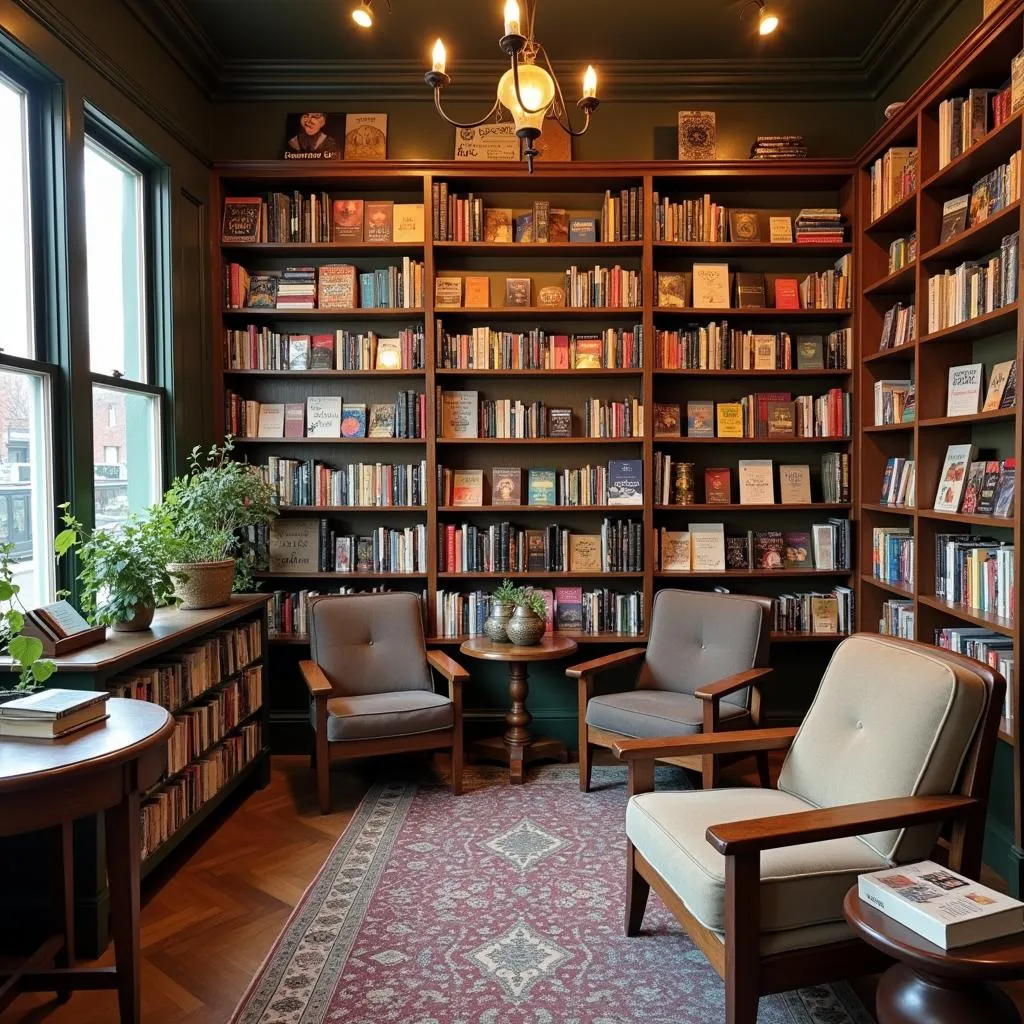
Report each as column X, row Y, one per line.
column 501, row 906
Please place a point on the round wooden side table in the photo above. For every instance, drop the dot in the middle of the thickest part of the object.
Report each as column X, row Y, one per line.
column 932, row 985
column 517, row 747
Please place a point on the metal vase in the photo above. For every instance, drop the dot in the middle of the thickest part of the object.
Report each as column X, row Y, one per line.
column 496, row 622
column 525, row 628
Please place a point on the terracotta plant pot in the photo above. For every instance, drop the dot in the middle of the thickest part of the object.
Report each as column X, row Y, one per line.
column 495, row 625
column 525, row 628
column 142, row 619
column 203, row 584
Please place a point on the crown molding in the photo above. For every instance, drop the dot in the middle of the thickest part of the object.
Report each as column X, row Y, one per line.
column 186, row 41
column 59, row 26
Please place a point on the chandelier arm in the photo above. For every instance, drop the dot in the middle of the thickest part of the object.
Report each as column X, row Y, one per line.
column 566, row 125
column 515, row 83
column 464, row 124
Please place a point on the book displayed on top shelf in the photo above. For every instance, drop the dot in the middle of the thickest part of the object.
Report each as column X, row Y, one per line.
column 778, row 147
column 697, row 137
column 492, row 142
column 366, row 136
column 314, row 136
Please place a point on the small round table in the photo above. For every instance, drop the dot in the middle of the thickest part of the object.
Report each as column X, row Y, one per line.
column 516, row 747
column 932, row 985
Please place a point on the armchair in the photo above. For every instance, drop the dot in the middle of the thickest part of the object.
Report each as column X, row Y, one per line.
column 370, row 685
column 900, row 738
column 701, row 672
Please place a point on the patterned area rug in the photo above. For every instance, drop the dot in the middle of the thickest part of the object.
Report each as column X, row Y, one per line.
column 501, row 906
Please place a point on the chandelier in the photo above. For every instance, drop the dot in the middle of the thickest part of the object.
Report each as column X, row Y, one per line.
column 527, row 91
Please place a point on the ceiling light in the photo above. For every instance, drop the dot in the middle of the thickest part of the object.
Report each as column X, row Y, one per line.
column 363, row 14
column 767, row 21
column 528, row 91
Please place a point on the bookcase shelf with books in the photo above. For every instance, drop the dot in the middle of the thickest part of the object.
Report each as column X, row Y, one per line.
column 936, row 505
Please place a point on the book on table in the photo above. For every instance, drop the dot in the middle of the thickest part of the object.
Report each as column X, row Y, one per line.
column 940, row 905
column 49, row 714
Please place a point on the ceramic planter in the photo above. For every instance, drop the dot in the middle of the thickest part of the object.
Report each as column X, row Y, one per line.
column 142, row 619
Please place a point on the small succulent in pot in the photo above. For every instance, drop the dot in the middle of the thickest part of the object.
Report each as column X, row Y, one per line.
column 502, row 604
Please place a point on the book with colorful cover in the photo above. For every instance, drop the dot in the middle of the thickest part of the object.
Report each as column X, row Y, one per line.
column 717, row 486
column 666, row 419
column 569, row 609
column 625, row 482
column 468, row 487
column 997, row 385
column 506, row 485
column 1006, row 490
column 730, row 419
column 347, row 220
column 797, row 550
column 700, row 419
column 953, row 477
column 321, row 353
column 353, row 420
column 972, row 489
column 769, row 548
column 540, row 487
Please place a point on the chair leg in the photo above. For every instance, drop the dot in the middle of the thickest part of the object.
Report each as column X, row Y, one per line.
column 709, row 771
column 637, row 891
column 764, row 776
column 586, row 762
column 312, row 752
column 323, row 774
column 457, row 764
column 741, row 999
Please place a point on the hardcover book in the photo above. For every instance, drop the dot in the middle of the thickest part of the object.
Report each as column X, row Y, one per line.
column 717, row 486
column 700, row 419
column 263, row 290
column 506, row 485
column 824, row 615
column 271, row 422
column 787, row 293
column 353, row 420
column 323, row 416
column 382, row 420
column 241, row 221
column 408, row 222
column 294, row 419
column 768, row 549
column 764, row 351
column 535, row 561
column 589, row 354
column 1006, row 490
column 744, row 226
column 347, row 220
column 540, row 487
column 478, row 292
column 796, row 551
column 795, row 485
column 757, row 485
column 517, row 291
column 696, row 131
column 810, row 352
column 584, row 552
column 582, row 229
column 666, row 419
column 780, row 230
column 560, row 422
column 750, row 293
column 737, row 553
column 522, row 226
column 497, row 224
column 997, row 385
column 541, row 209
column 711, row 285
column 675, row 551
column 781, row 419
column 953, row 477
column 568, row 608
column 972, row 489
column 313, row 136
column 673, row 289
column 625, row 482
column 460, row 413
column 294, row 545
column 447, row 292
column 389, row 354
column 298, row 352
column 954, row 217
column 730, row 419
column 822, row 536
column 707, row 547
column 336, row 286
column 468, row 487
column 558, row 225
column 963, row 391
column 321, row 353
column 378, row 220
column 366, row 137
column 989, row 486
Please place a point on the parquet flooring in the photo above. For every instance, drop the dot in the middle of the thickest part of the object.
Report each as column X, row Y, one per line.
column 212, row 913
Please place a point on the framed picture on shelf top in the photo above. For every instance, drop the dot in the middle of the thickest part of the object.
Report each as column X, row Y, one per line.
column 314, row 136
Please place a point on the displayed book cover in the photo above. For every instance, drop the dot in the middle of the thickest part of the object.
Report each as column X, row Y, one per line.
column 972, row 489
column 673, row 289
column 336, row 286
column 954, row 217
column 963, row 390
column 947, row 909
column 366, row 137
column 294, row 419
column 750, row 293
column 982, row 201
column 744, row 226
column 582, row 229
column 569, row 608
column 353, row 420
column 1009, row 399
column 987, row 492
column 263, row 288
column 382, row 420
column 796, row 550
column 824, row 614
column 787, row 293
column 517, row 291
column 541, row 209
column 1006, row 490
column 554, row 143
column 757, row 485
column 364, row 554
column 768, row 549
column 675, row 551
column 551, row 295
column 707, row 547
column 347, row 220
column 540, row 487
column 717, row 486
column 781, row 419
column 953, row 477
column 625, row 482
column 909, row 405
column 522, row 227
column 666, row 419
column 497, row 224
column 241, row 221
column 478, row 293
column 321, row 353
column 589, row 354
column 389, row 354
column 548, row 597
column 795, row 485
column 323, row 416
column 506, row 485
column 729, row 416
column 535, row 548
column 460, row 413
column 997, row 385
column 584, row 552
column 810, row 352
column 447, row 292
column 823, row 541
column 700, row 419
column 764, row 351
column 298, row 352
column 696, row 135
column 560, row 422
column 378, row 220
column 711, row 285
column 294, row 545
column 271, row 421
column 314, row 136
column 407, row 220
column 492, row 141
column 737, row 553
column 780, row 230
column 558, row 225
column 468, row 487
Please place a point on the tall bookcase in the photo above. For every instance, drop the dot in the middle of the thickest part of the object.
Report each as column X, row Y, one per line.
column 982, row 61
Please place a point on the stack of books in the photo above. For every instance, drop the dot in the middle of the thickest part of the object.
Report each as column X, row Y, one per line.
column 816, row 225
column 49, row 714
column 777, row 147
column 296, row 288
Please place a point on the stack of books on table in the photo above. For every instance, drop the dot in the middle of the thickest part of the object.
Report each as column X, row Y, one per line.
column 943, row 907
column 49, row 714
column 817, row 225
column 777, row 147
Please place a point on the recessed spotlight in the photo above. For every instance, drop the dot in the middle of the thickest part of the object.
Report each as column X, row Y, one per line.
column 767, row 21
column 363, row 14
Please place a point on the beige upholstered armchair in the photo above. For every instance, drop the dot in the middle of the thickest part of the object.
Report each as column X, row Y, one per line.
column 371, row 687
column 700, row 673
column 899, row 739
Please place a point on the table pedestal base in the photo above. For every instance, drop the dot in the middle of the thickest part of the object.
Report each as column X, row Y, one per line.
column 519, row 755
column 906, row 997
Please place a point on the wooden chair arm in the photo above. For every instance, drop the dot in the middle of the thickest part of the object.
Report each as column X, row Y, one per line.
column 448, row 667
column 315, row 680
column 740, row 741
column 730, row 684
column 589, row 669
column 736, row 838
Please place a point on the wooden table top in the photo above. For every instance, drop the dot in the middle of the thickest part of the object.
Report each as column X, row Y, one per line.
column 549, row 648
column 133, row 727
column 998, row 959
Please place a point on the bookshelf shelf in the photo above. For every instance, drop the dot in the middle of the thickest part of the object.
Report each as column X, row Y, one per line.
column 972, row 615
column 332, row 249
column 514, row 510
column 754, row 313
column 997, row 146
column 540, row 313
column 757, row 248
column 993, row 415
column 892, row 588
column 814, row 506
column 898, row 217
column 390, row 313
column 888, row 428
column 977, row 240
column 891, row 355
column 330, row 440
column 284, row 639
column 339, row 575
column 750, row 574
column 350, row 509
column 998, row 320
column 539, row 440
column 319, row 374
column 616, row 371
column 541, row 574
column 961, row 517
column 608, row 249
column 895, row 510
column 752, row 440
column 624, row 639
column 752, row 374
column 896, row 283
column 789, row 637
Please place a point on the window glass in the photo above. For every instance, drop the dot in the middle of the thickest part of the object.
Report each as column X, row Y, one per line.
column 116, row 272
column 15, row 247
column 126, row 456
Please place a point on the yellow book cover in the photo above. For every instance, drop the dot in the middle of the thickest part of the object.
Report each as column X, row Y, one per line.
column 730, row 419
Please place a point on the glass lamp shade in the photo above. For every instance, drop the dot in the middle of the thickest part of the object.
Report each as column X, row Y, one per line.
column 537, row 90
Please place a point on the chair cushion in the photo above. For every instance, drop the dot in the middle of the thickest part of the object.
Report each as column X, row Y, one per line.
column 645, row 714
column 801, row 886
column 890, row 719
column 381, row 715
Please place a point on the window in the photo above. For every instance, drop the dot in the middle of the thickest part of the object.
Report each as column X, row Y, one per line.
column 15, row 238
column 112, row 415
column 111, row 454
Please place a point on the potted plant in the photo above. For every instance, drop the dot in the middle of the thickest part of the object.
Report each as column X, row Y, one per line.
column 502, row 603
column 124, row 572
column 204, row 510
column 25, row 651
column 527, row 623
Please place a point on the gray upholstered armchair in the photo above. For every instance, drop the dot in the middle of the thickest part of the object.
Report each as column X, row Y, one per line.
column 700, row 673
column 371, row 687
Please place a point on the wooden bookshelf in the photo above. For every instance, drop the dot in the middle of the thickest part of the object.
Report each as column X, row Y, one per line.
column 983, row 60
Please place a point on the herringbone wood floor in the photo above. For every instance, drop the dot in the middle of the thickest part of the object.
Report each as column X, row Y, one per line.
column 212, row 914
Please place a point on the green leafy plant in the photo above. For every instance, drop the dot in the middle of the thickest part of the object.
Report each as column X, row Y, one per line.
column 121, row 570
column 25, row 651
column 507, row 593
column 532, row 600
column 205, row 510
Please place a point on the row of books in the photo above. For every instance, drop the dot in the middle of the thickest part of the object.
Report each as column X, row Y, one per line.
column 570, row 609
column 715, row 347
column 965, row 120
column 277, row 217
column 692, row 220
column 326, row 416
column 898, row 326
column 984, row 645
column 705, row 547
column 897, row 619
column 976, row 487
column 165, row 812
column 620, row 483
column 821, row 224
column 504, row 547
column 894, row 401
column 977, row 572
column 200, row 726
column 193, row 670
column 602, row 286
column 756, row 482
column 778, row 147
column 893, row 178
column 892, row 555
column 288, row 610
column 356, row 485
column 260, row 348
column 488, row 349
column 817, row 612
column 899, row 483
column 902, row 252
column 991, row 193
column 974, row 287
column 328, row 286
column 302, row 546
column 712, row 286
column 964, row 388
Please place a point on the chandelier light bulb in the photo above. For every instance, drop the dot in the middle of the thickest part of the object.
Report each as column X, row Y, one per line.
column 767, row 22
column 513, row 21
column 589, row 82
column 363, row 14
column 438, row 57
column 537, row 90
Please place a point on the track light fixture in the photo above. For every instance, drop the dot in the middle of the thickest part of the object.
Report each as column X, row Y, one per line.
column 363, row 14
column 767, row 20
